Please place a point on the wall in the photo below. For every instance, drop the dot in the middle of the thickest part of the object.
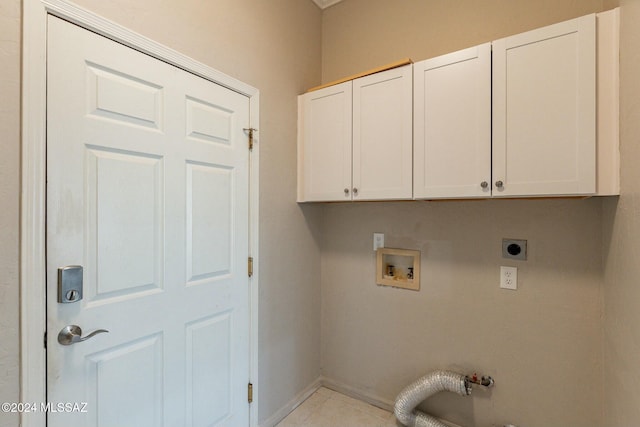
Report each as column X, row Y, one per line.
column 9, row 203
column 622, row 243
column 542, row 343
column 362, row 34
column 274, row 46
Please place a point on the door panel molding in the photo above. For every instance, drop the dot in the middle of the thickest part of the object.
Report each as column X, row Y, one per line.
column 33, row 188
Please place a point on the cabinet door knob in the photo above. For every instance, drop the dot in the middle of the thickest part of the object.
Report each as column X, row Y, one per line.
column 499, row 184
column 484, row 184
column 346, row 191
column 355, row 190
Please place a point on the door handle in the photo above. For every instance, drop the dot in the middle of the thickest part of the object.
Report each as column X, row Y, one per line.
column 72, row 334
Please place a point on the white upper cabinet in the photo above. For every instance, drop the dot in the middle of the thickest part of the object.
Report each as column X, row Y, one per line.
column 452, row 125
column 324, row 144
column 531, row 115
column 355, row 139
column 382, row 135
column 544, row 111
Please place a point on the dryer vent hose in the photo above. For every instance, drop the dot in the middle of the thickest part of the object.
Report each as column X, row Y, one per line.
column 418, row 391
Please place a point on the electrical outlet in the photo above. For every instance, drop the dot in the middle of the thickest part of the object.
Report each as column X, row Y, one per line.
column 509, row 278
column 514, row 249
column 378, row 241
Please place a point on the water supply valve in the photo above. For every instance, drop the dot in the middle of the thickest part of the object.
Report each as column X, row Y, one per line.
column 485, row 380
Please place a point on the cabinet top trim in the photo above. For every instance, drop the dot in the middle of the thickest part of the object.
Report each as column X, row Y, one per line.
column 386, row 67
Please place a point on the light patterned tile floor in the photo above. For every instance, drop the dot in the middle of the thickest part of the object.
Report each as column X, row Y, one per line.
column 327, row 408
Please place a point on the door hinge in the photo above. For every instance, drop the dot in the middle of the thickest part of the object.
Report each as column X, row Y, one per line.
column 250, row 266
column 45, row 339
column 250, row 131
column 250, row 393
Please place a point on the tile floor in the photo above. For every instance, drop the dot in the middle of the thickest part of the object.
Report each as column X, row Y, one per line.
column 327, row 408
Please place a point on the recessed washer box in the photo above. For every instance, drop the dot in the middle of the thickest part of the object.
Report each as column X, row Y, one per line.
column 399, row 268
column 514, row 249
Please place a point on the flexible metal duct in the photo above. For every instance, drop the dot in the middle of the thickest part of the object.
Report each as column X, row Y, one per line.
column 423, row 388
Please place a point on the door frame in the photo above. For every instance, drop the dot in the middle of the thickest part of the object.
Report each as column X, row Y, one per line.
column 33, row 187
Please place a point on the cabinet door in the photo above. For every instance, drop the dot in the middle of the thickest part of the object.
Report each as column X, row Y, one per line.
column 544, row 111
column 452, row 125
column 324, row 144
column 382, row 135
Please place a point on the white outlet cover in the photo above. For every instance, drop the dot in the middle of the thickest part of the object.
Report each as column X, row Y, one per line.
column 378, row 241
column 509, row 278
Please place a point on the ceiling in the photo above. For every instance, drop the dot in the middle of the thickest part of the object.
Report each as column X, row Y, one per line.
column 323, row 4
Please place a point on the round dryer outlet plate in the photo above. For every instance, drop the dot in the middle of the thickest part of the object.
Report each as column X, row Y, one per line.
column 514, row 249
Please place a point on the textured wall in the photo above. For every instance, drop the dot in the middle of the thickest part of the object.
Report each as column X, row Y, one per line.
column 539, row 342
column 622, row 242
column 362, row 34
column 274, row 46
column 9, row 204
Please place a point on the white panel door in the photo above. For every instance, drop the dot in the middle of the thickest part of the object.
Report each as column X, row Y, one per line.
column 147, row 170
column 452, row 125
column 324, row 145
column 383, row 135
column 544, row 113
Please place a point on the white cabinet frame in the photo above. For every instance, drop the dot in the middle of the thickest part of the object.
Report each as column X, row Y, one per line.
column 452, row 125
column 324, row 144
column 544, row 111
column 383, row 135
column 355, row 139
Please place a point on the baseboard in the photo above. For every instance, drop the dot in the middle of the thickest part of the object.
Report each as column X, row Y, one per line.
column 340, row 387
column 378, row 401
column 281, row 413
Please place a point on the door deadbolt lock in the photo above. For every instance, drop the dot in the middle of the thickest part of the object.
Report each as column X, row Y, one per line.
column 70, row 284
